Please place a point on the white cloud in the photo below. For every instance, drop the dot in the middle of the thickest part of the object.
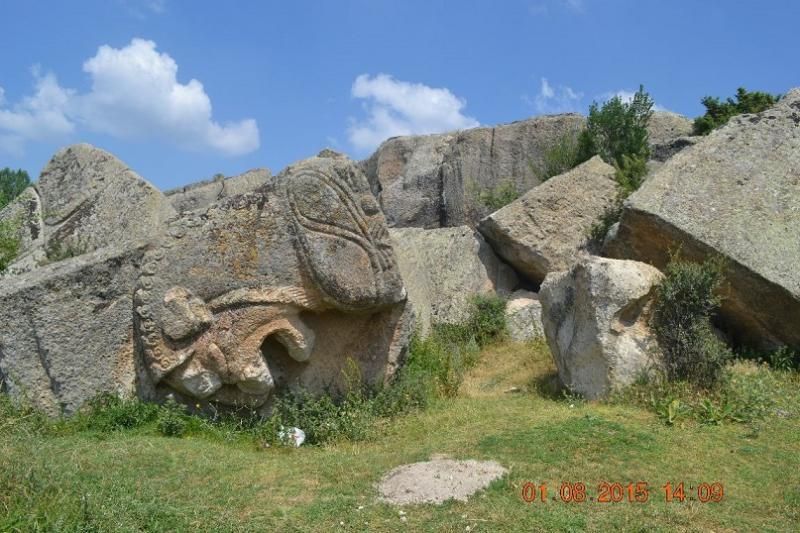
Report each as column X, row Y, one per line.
column 558, row 99
column 401, row 108
column 38, row 117
column 542, row 7
column 135, row 93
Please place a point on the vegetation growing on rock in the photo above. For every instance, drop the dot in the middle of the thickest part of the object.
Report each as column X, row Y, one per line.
column 718, row 113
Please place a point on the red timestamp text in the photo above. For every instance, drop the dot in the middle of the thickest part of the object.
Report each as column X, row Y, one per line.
column 628, row 492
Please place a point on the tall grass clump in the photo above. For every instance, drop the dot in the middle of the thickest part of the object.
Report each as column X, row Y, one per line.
column 559, row 156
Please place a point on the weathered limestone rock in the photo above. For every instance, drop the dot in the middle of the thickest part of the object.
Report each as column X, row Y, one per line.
column 545, row 230
column 442, row 268
column 199, row 196
column 67, row 330
column 84, row 200
column 524, row 316
column 433, row 180
column 736, row 193
column 275, row 288
column 595, row 321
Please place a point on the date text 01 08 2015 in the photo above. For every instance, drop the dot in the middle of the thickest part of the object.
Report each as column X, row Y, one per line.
column 633, row 492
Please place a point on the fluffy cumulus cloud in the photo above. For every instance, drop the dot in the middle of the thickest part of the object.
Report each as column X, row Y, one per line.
column 40, row 116
column 397, row 107
column 556, row 99
column 134, row 93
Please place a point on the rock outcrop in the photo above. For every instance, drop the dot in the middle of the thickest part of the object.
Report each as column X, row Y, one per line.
column 84, row 200
column 664, row 127
column 273, row 288
column 442, row 268
column 595, row 320
column 434, row 180
column 199, row 196
column 736, row 193
column 546, row 229
column 524, row 316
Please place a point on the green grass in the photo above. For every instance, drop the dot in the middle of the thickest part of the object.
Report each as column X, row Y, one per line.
column 58, row 478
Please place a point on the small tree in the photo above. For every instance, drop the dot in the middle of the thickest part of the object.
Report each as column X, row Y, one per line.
column 618, row 129
column 718, row 113
column 12, row 183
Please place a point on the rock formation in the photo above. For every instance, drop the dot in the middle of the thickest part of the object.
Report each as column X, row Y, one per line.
column 272, row 288
column 434, row 180
column 736, row 193
column 442, row 268
column 545, row 230
column 84, row 200
column 595, row 320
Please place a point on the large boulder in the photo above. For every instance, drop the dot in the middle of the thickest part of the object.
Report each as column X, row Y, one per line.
column 442, row 268
column 200, row 195
column 274, row 289
column 595, row 320
column 524, row 316
column 434, row 180
column 85, row 199
column 547, row 228
column 666, row 126
column 67, row 330
column 736, row 194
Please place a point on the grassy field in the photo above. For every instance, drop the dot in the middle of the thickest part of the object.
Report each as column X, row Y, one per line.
column 137, row 480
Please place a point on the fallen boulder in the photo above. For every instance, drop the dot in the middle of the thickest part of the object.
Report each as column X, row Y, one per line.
column 524, row 316
column 442, row 268
column 595, row 320
column 546, row 229
column 734, row 194
column 68, row 331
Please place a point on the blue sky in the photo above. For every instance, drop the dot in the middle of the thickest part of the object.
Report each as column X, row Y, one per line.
column 181, row 90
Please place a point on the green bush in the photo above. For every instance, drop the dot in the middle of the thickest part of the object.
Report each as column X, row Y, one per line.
column 172, row 420
column 499, row 196
column 686, row 299
column 12, row 183
column 718, row 113
column 559, row 156
column 617, row 129
column 9, row 243
column 487, row 318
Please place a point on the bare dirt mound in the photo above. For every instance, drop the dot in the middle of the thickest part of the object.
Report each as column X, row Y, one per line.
column 438, row 480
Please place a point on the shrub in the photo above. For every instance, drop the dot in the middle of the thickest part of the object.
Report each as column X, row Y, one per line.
column 9, row 242
column 487, row 318
column 12, row 183
column 617, row 129
column 499, row 196
column 718, row 113
column 685, row 301
column 172, row 420
column 559, row 156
